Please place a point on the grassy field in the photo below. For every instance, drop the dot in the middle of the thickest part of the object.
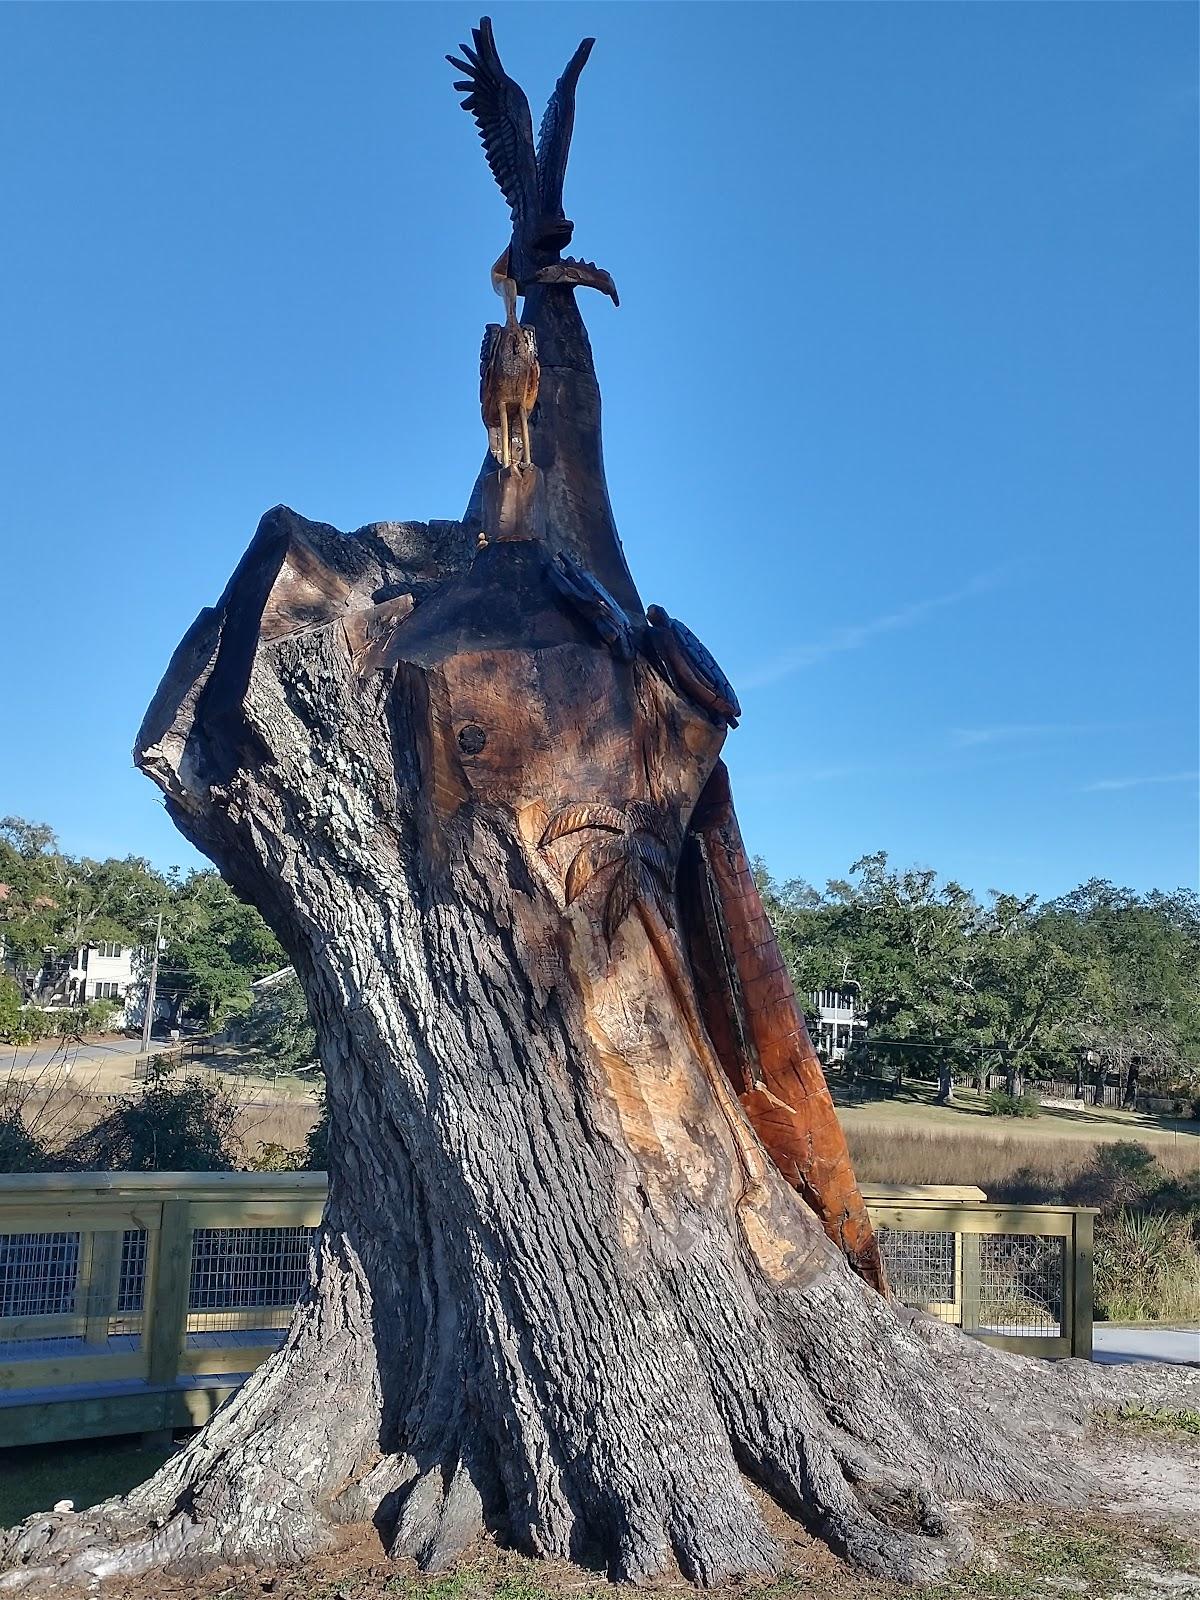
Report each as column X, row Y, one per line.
column 910, row 1140
column 1140, row 1171
column 33, row 1477
column 914, row 1107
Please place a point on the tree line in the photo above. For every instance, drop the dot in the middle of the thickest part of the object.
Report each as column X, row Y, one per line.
column 940, row 976
column 52, row 903
column 1100, row 980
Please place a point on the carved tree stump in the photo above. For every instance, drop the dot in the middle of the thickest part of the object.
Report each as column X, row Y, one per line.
column 593, row 1267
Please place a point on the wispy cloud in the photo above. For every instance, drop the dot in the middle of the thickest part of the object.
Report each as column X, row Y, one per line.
column 857, row 634
column 777, row 779
column 1140, row 783
column 1020, row 732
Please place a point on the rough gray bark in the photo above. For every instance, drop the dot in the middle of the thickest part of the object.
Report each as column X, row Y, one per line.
column 560, row 1293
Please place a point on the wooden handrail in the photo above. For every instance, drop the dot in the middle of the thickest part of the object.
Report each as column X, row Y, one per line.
column 178, row 1378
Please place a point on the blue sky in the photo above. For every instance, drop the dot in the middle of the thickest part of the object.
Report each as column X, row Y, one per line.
column 900, row 400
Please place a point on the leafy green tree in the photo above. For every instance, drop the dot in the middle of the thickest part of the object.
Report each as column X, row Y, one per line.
column 52, row 903
column 216, row 946
column 1141, row 958
column 277, row 1026
column 902, row 940
column 944, row 977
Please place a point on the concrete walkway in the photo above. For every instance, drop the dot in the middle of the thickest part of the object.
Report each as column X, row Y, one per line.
column 1180, row 1346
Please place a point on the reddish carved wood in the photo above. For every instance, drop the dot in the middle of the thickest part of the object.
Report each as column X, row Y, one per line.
column 764, row 1043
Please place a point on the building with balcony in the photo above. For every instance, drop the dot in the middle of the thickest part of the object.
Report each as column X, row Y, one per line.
column 841, row 1023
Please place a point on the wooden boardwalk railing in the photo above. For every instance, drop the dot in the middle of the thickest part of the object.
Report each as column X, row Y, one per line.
column 135, row 1302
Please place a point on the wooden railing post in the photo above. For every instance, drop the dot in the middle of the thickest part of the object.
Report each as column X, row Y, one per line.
column 1082, row 1286
column 970, row 1281
column 99, row 1283
column 166, row 1308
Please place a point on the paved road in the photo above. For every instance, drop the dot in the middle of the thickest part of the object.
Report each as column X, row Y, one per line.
column 1180, row 1346
column 54, row 1052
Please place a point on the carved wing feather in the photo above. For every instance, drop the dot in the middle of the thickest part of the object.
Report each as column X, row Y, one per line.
column 490, row 335
column 664, row 900
column 650, row 818
column 627, row 886
column 588, row 862
column 554, row 136
column 572, row 819
column 501, row 114
column 654, row 855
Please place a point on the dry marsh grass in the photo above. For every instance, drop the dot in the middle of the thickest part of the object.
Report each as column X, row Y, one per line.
column 287, row 1123
column 1013, row 1168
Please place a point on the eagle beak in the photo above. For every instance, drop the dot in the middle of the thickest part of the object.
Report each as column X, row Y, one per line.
column 554, row 235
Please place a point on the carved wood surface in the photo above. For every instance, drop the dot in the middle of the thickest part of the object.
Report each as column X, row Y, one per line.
column 593, row 1262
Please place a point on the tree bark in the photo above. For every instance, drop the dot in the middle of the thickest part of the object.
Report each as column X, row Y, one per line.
column 593, row 1264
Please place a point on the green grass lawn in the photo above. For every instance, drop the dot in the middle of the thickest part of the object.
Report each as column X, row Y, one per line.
column 914, row 1107
column 33, row 1477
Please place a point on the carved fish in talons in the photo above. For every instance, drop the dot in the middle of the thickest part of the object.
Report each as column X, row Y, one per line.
column 530, row 180
column 580, row 275
column 689, row 667
column 641, row 850
column 588, row 598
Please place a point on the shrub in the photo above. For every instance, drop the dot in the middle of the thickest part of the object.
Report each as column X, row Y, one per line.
column 1002, row 1104
column 1120, row 1174
column 98, row 1014
column 274, row 1157
column 168, row 1127
column 316, row 1147
column 31, row 1024
column 10, row 1010
column 20, row 1148
column 1147, row 1267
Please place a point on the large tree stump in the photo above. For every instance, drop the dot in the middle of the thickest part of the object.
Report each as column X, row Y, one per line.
column 594, row 1271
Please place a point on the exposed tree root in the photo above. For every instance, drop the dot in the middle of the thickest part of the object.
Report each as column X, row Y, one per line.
column 869, row 1448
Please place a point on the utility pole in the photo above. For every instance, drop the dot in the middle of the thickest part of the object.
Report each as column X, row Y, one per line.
column 148, row 1019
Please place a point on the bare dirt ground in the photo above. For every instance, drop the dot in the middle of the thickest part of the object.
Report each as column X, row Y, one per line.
column 1135, row 1542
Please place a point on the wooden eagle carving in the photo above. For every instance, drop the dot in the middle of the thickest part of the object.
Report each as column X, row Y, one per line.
column 530, row 179
column 508, row 378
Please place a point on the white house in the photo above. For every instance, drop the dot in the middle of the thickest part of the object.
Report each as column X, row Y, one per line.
column 841, row 1022
column 103, row 971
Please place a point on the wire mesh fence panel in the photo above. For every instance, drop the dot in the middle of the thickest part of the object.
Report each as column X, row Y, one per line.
column 1021, row 1284
column 131, row 1285
column 119, row 1294
column 924, row 1270
column 246, row 1278
column 65, row 1292
column 39, row 1274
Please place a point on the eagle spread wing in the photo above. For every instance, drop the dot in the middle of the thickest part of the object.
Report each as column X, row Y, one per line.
column 501, row 113
column 554, row 136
